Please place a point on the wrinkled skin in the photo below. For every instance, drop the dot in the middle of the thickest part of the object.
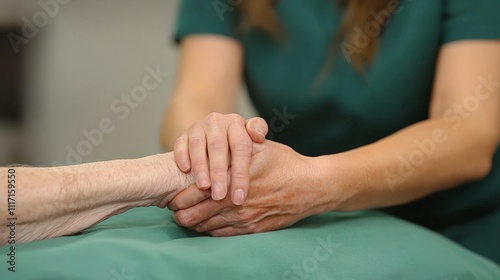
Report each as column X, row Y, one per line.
column 279, row 195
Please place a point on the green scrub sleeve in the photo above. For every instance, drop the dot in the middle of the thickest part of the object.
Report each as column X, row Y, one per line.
column 197, row 17
column 471, row 20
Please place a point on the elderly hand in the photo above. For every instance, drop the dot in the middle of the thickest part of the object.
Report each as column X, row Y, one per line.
column 282, row 192
column 204, row 149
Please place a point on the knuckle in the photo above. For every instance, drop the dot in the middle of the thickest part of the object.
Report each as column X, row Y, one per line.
column 242, row 147
column 197, row 140
column 244, row 217
column 218, row 169
column 236, row 117
column 214, row 117
column 196, row 127
column 180, row 203
column 185, row 219
column 199, row 166
column 180, row 140
column 239, row 173
column 217, row 144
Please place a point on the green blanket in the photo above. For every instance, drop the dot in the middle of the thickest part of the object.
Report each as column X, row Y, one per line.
column 146, row 244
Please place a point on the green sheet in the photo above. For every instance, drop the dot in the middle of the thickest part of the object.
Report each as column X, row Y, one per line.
column 146, row 244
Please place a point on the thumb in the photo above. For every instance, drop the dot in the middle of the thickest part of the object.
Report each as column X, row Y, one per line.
column 257, row 129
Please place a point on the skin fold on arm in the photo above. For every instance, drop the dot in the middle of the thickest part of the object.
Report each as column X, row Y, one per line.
column 460, row 145
column 50, row 202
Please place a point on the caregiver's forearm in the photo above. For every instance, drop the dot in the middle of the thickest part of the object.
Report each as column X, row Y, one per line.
column 50, row 202
column 421, row 159
column 209, row 74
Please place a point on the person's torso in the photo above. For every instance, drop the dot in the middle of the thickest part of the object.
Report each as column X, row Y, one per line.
column 349, row 109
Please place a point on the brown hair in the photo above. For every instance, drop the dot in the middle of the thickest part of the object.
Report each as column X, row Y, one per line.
column 358, row 13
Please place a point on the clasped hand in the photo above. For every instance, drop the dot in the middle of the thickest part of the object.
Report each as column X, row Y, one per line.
column 270, row 183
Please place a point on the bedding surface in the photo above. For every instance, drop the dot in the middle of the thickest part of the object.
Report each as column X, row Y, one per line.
column 145, row 243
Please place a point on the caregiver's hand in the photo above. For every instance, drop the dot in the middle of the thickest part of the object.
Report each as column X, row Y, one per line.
column 205, row 147
column 282, row 191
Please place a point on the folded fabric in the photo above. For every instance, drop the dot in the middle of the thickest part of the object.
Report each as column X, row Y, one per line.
column 145, row 243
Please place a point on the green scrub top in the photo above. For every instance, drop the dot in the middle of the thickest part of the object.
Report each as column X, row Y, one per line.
column 348, row 110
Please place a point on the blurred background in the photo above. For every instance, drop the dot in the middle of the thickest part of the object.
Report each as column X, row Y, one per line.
column 71, row 79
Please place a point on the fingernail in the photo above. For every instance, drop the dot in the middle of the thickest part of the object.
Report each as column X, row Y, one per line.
column 218, row 191
column 202, row 181
column 184, row 166
column 239, row 197
column 260, row 132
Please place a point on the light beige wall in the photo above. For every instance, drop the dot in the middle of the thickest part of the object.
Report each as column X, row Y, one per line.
column 80, row 64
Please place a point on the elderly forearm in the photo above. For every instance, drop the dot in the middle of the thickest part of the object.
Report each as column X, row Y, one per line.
column 421, row 159
column 50, row 202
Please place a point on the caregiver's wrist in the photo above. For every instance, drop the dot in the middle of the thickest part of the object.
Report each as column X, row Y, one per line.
column 309, row 181
column 328, row 177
